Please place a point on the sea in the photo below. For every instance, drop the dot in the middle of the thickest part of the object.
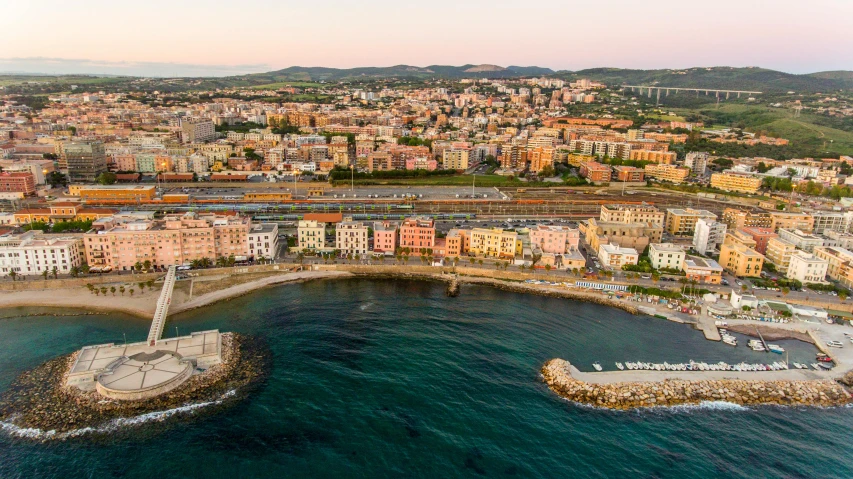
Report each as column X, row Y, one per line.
column 391, row 378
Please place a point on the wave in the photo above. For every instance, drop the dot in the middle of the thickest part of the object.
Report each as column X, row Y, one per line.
column 114, row 425
column 678, row 408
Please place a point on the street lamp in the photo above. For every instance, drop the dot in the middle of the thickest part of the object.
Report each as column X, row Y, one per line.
column 352, row 177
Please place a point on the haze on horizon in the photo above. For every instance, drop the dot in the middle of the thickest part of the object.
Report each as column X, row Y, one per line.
column 217, row 38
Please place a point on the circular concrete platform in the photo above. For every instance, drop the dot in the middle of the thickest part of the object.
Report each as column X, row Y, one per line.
column 143, row 375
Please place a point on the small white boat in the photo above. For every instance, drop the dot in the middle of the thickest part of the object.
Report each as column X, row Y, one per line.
column 834, row 344
column 775, row 349
column 816, row 366
column 730, row 340
column 620, row 366
column 596, row 366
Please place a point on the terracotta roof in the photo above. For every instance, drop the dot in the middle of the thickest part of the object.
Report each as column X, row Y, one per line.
column 324, row 217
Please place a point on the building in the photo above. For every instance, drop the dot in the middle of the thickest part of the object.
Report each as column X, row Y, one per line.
column 263, row 241
column 85, row 160
column 554, row 239
column 493, row 243
column 311, row 235
column 666, row 256
column 417, row 234
column 24, row 183
column 197, row 130
column 595, row 172
column 682, row 222
column 761, row 236
column 668, row 173
column 697, row 161
column 385, row 237
column 791, row 221
column 831, row 221
column 629, row 174
column 843, row 240
column 627, row 235
column 735, row 218
column 665, row 157
column 702, row 270
column 455, row 159
column 174, row 240
column 457, row 243
column 351, row 238
column 32, row 253
column 739, row 258
column 707, row 235
column 615, row 257
column 114, row 192
column 802, row 240
column 737, row 182
column 779, row 253
column 807, row 268
column 631, row 214
column 839, row 263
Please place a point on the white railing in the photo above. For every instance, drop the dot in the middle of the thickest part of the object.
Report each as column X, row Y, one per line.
column 162, row 309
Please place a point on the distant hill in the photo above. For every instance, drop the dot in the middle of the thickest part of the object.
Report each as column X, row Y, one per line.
column 397, row 71
column 726, row 78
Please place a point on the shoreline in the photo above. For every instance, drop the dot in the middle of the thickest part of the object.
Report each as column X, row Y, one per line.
column 566, row 381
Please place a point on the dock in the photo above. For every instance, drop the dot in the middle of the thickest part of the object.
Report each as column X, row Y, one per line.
column 162, row 310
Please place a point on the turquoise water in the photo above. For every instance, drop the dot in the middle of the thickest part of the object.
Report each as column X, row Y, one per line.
column 392, row 378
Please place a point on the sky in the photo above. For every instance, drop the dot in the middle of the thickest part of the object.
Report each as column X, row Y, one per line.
column 216, row 37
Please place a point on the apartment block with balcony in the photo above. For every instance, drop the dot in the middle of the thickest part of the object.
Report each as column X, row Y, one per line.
column 839, row 263
column 682, row 222
column 417, row 234
column 802, row 240
column 351, row 237
column 493, row 243
column 385, row 237
column 614, row 256
column 31, row 253
column 669, row 173
column 779, row 253
column 807, row 268
column 702, row 270
column 666, row 255
column 311, row 235
column 738, row 258
column 737, row 182
column 631, row 214
column 554, row 239
column 708, row 235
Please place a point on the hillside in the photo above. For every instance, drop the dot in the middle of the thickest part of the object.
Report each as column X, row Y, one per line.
column 397, row 71
column 726, row 78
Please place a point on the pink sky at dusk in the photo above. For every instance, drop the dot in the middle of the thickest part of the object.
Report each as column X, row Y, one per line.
column 217, row 37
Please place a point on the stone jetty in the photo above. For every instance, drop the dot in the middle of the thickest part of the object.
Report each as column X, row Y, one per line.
column 631, row 395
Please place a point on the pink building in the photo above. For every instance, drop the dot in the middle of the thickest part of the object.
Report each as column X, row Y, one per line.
column 421, row 163
column 555, row 239
column 384, row 237
column 761, row 236
column 417, row 234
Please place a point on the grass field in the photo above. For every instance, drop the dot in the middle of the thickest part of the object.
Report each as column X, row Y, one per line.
column 665, row 117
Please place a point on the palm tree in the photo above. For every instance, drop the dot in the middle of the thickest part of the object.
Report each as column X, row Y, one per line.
column 55, row 272
column 104, row 290
column 147, row 264
column 121, row 290
column 97, row 291
column 131, row 292
column 113, row 290
column 141, row 287
column 138, row 266
column 480, row 262
column 12, row 274
column 74, row 271
column 45, row 273
column 84, row 268
column 301, row 257
column 150, row 283
column 472, row 260
column 90, row 286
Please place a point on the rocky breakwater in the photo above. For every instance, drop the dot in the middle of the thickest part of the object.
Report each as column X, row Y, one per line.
column 39, row 400
column 631, row 395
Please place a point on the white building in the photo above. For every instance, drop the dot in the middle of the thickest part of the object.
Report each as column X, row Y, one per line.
column 31, row 253
column 666, row 255
column 801, row 240
column 807, row 268
column 697, row 161
column 311, row 235
column 708, row 235
column 832, row 221
column 263, row 240
column 614, row 256
column 351, row 237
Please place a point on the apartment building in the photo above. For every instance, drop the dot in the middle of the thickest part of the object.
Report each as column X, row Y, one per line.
column 263, row 241
column 629, row 174
column 668, row 173
column 707, row 235
column 807, row 268
column 24, row 183
column 615, row 257
column 843, row 240
column 735, row 218
column 631, row 214
column 197, row 130
column 802, row 240
column 351, row 237
column 779, row 253
column 697, row 161
column 737, row 182
column 457, row 243
column 737, row 257
column 417, row 234
column 664, row 157
column 493, row 243
column 175, row 240
column 455, row 159
column 311, row 235
column 628, row 235
column 595, row 172
column 666, row 255
column 554, row 239
column 85, row 160
column 682, row 222
column 832, row 221
column 702, row 270
column 791, row 221
column 761, row 236
column 839, row 263
column 385, row 237
column 31, row 253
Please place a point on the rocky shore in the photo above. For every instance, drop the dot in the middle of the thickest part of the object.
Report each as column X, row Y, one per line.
column 631, row 395
column 39, row 399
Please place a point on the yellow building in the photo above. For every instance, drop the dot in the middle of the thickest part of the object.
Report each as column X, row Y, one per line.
column 665, row 157
column 267, row 196
column 493, row 243
column 791, row 221
column 114, row 192
column 779, row 253
column 738, row 182
column 455, row 159
column 631, row 214
column 840, row 263
column 738, row 258
column 670, row 173
column 683, row 221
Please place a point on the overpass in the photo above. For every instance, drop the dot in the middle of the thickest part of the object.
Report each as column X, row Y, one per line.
column 163, row 302
column 667, row 89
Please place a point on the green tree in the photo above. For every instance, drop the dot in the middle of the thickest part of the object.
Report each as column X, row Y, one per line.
column 13, row 274
column 121, row 290
column 106, row 178
column 45, row 273
column 54, row 272
column 131, row 292
column 113, row 290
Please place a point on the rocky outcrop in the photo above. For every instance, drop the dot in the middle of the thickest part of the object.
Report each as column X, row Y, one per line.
column 39, row 398
column 631, row 395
